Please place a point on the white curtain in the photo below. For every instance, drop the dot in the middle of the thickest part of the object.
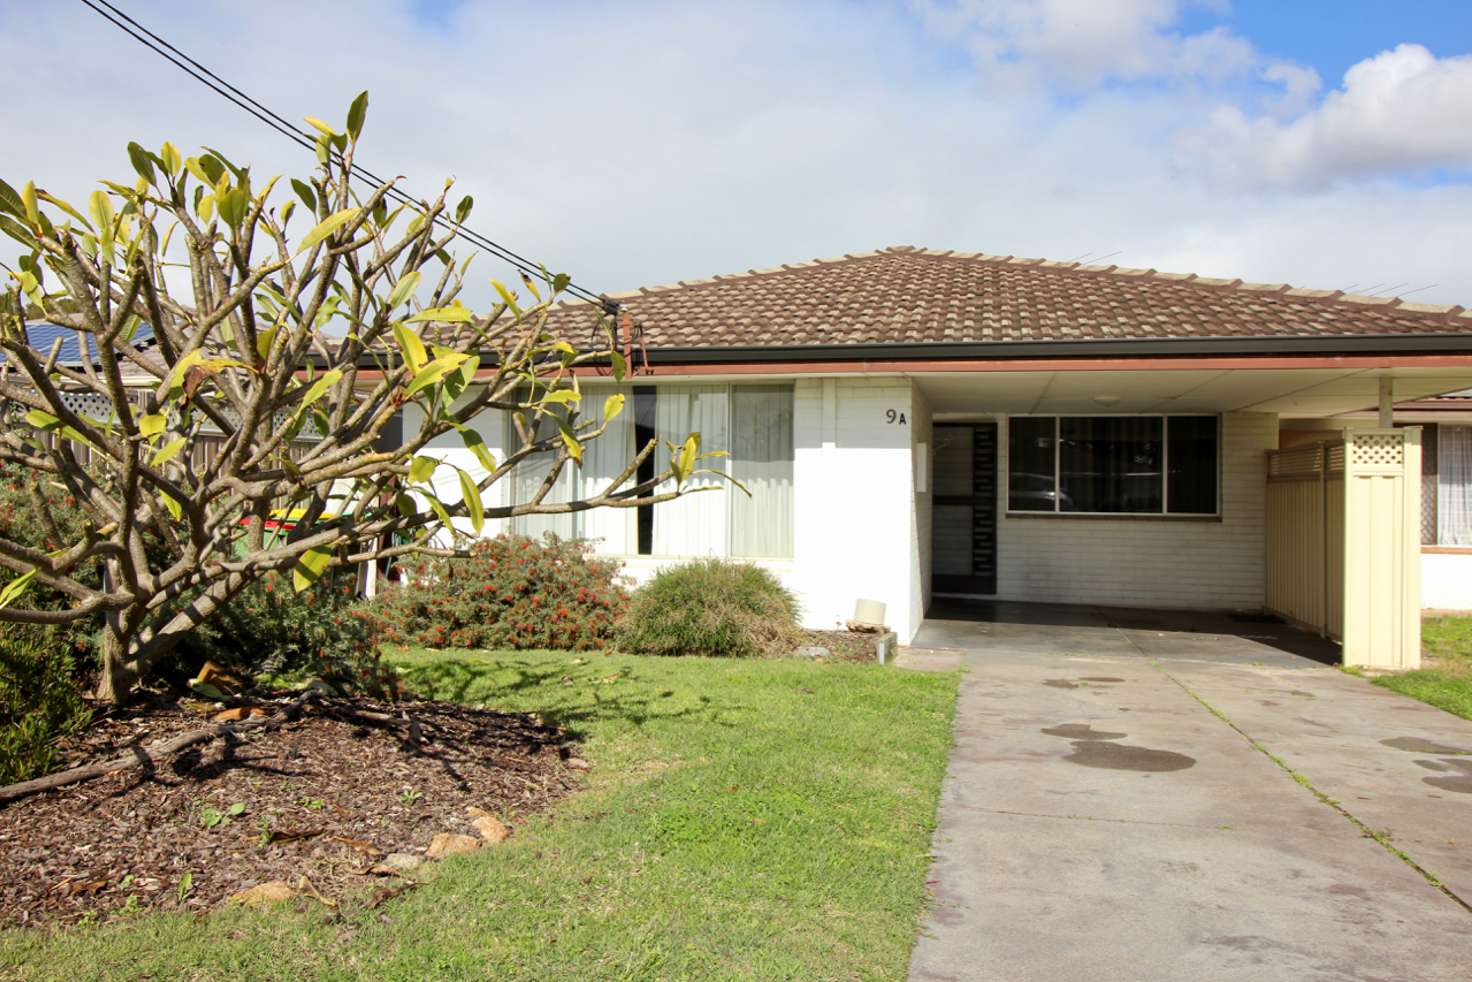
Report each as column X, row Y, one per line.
column 611, row 530
column 693, row 525
column 761, row 461
column 526, row 479
column 1454, row 485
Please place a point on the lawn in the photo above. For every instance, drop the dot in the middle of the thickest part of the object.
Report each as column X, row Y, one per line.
column 743, row 819
column 1446, row 679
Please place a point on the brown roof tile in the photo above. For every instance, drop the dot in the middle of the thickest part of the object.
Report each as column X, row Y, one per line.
column 908, row 295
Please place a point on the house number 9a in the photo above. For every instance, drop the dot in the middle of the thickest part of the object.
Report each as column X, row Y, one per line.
column 895, row 417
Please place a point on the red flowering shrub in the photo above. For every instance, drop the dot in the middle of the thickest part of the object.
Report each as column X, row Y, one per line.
column 510, row 592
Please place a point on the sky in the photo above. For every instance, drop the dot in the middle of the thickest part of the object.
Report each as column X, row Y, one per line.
column 1324, row 144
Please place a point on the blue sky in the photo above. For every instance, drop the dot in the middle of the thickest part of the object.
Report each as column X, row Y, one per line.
column 634, row 143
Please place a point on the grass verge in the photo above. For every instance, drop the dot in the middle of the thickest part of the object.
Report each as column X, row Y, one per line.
column 744, row 819
column 1446, row 679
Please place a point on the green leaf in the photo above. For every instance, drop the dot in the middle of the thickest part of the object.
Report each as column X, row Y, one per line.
column 173, row 507
column 169, row 154
column 168, row 452
column 689, row 452
column 327, row 226
column 141, row 162
column 620, row 365
column 476, row 444
column 432, row 373
column 456, row 313
column 421, row 469
column 236, row 810
column 41, row 420
column 319, row 388
column 212, row 167
column 507, row 297
column 309, row 567
column 232, row 205
column 357, row 113
column 462, row 210
column 560, row 397
column 100, row 206
column 28, row 202
column 412, row 348
column 438, row 508
column 403, row 289
column 265, row 340
column 405, row 505
column 560, row 282
column 10, row 201
column 320, row 126
column 16, row 587
column 304, row 191
column 612, row 406
column 570, row 440
column 470, row 494
column 152, row 424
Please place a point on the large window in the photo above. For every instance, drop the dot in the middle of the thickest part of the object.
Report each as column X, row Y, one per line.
column 752, row 423
column 1446, row 495
column 1113, row 465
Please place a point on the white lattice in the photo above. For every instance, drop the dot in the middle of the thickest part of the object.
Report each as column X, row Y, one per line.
column 1377, row 450
column 88, row 404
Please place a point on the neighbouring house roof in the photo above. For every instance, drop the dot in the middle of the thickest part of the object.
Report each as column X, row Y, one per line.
column 42, row 336
column 908, row 296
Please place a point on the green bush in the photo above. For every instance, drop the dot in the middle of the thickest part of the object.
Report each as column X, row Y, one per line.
column 510, row 592
column 40, row 701
column 711, row 607
column 270, row 629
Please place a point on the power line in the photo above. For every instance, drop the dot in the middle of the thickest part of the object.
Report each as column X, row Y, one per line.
column 280, row 124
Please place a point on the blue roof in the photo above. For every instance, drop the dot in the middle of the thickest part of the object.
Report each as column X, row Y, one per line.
column 43, row 336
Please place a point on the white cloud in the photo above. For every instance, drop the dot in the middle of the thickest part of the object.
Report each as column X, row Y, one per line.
column 1082, row 42
column 668, row 139
column 1401, row 112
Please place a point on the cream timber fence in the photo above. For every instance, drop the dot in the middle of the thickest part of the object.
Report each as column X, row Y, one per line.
column 1343, row 543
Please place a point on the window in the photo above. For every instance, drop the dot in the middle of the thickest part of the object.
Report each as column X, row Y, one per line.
column 1103, row 465
column 752, row 423
column 1454, row 485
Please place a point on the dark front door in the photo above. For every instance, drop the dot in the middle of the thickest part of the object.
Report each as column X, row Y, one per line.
column 964, row 518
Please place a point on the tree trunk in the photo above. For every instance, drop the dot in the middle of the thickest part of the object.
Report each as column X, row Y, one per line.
column 114, row 681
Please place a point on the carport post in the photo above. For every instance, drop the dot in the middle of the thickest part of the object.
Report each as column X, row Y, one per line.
column 1382, row 548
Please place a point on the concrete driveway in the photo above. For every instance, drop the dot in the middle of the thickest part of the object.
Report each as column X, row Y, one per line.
column 1138, row 795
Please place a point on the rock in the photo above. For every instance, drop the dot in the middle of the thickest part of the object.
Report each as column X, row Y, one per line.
column 452, row 844
column 400, row 862
column 263, row 894
column 813, row 651
column 577, row 764
column 491, row 829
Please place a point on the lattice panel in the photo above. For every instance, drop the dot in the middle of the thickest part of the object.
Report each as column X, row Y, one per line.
column 88, row 404
column 1377, row 450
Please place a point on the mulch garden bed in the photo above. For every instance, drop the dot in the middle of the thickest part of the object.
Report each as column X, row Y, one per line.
column 326, row 796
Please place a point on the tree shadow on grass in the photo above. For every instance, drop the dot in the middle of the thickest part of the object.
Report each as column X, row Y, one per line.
column 566, row 694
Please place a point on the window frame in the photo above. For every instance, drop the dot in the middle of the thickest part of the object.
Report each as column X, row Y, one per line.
column 1443, row 451
column 1164, row 512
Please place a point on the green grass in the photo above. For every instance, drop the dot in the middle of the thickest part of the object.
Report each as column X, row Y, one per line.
column 743, row 819
column 1446, row 681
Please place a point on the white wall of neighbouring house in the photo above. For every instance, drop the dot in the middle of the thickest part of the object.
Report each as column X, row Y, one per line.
column 1149, row 562
column 1446, row 581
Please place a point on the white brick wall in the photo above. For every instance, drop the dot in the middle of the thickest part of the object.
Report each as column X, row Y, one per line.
column 1150, row 562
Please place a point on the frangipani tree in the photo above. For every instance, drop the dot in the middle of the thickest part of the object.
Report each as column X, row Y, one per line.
column 319, row 310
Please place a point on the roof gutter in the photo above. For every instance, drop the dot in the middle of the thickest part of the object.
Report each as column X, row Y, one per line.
column 1122, row 348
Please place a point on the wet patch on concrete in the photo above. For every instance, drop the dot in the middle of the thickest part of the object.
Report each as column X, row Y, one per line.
column 1349, row 890
column 1300, row 692
column 1099, row 678
column 1060, row 684
column 1419, row 745
column 1081, row 731
column 1123, row 757
column 1458, row 771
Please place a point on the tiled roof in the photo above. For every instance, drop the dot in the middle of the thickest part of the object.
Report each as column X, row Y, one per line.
column 41, row 336
column 907, row 295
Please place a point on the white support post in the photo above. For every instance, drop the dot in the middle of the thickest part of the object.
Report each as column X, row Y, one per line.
column 1387, row 402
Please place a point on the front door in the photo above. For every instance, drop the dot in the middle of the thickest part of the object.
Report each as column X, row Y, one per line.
column 964, row 519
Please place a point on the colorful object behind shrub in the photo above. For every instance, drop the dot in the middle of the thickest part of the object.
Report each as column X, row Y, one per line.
column 711, row 607
column 511, row 592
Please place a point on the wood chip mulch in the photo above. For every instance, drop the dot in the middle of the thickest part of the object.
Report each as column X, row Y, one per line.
column 325, row 796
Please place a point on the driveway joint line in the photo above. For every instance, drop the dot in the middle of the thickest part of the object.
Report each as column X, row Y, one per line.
column 1116, row 821
column 1301, row 779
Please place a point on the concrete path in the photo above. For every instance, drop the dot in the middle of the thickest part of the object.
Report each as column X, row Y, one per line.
column 1140, row 796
